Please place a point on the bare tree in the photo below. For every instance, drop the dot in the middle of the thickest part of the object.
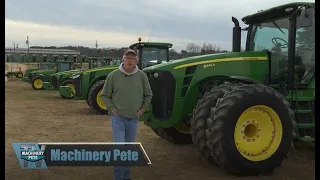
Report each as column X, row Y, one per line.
column 207, row 48
column 193, row 48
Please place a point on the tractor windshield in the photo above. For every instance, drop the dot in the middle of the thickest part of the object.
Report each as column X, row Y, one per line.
column 99, row 62
column 46, row 66
column 63, row 67
column 154, row 55
column 271, row 35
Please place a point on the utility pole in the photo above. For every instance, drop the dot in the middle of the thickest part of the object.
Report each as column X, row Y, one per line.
column 14, row 51
column 96, row 48
column 27, row 42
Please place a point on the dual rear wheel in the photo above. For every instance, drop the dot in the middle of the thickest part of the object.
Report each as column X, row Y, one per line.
column 245, row 129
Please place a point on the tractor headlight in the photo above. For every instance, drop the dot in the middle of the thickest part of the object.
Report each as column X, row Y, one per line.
column 155, row 75
column 75, row 76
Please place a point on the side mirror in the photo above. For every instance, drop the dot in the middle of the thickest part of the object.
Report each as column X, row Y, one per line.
column 306, row 17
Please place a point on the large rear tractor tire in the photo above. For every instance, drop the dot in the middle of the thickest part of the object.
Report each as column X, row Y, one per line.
column 37, row 83
column 94, row 99
column 250, row 130
column 71, row 85
column 179, row 134
column 200, row 115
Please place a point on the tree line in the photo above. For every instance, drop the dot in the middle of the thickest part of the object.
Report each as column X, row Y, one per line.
column 191, row 49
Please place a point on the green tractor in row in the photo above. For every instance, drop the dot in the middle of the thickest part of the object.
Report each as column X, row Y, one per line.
column 243, row 109
column 17, row 74
column 88, row 84
column 40, row 76
column 63, row 78
column 28, row 75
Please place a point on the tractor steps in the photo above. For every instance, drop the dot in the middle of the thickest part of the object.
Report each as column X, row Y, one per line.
column 304, row 114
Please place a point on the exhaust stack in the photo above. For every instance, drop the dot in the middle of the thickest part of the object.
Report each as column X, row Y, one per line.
column 236, row 39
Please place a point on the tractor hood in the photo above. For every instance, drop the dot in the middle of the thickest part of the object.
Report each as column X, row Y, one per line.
column 67, row 72
column 204, row 59
column 102, row 68
column 43, row 71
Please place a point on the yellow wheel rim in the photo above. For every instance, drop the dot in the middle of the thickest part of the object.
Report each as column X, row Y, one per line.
column 38, row 83
column 258, row 133
column 19, row 75
column 72, row 88
column 182, row 128
column 99, row 101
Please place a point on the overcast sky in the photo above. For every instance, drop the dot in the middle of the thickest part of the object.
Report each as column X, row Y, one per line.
column 119, row 23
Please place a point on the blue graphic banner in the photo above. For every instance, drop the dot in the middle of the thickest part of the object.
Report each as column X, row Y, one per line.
column 42, row 155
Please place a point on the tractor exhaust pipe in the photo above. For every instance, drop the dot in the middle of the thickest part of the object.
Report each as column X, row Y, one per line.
column 236, row 39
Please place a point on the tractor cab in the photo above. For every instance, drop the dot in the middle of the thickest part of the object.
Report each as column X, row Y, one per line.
column 151, row 53
column 95, row 62
column 62, row 66
column 44, row 66
column 287, row 34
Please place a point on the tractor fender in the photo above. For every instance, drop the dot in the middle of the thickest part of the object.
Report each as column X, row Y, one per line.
column 245, row 79
column 95, row 81
column 193, row 91
column 41, row 75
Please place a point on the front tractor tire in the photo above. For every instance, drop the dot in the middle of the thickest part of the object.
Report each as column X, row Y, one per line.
column 94, row 100
column 71, row 85
column 174, row 135
column 250, row 130
column 37, row 83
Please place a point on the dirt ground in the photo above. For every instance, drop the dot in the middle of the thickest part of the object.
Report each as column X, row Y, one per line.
column 41, row 116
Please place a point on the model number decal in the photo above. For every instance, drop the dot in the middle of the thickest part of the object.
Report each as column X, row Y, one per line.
column 208, row 65
column 251, row 58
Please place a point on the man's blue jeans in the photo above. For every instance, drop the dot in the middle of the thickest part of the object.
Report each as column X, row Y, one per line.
column 123, row 130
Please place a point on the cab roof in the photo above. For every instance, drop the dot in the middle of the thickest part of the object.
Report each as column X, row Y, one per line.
column 275, row 12
column 151, row 44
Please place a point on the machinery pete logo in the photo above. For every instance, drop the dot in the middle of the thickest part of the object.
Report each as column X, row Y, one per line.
column 30, row 155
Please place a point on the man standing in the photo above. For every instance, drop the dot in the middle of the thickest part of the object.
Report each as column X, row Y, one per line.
column 127, row 94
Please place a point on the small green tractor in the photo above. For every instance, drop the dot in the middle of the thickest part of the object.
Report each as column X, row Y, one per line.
column 63, row 78
column 242, row 110
column 42, row 66
column 17, row 74
column 27, row 72
column 40, row 76
column 88, row 84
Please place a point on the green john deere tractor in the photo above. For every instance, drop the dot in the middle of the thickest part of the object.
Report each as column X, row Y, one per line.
column 63, row 78
column 17, row 74
column 88, row 84
column 41, row 76
column 242, row 109
column 27, row 72
column 42, row 66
